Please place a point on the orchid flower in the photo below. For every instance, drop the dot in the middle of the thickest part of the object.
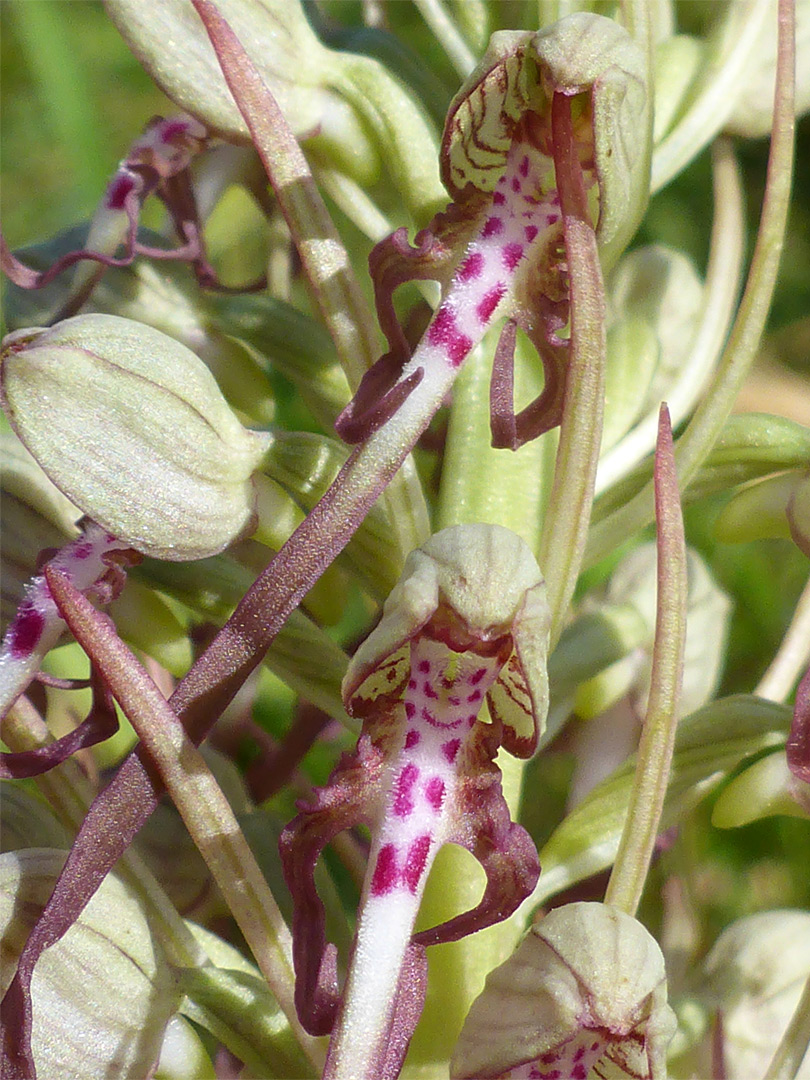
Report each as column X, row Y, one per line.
column 157, row 162
column 467, row 624
column 545, row 127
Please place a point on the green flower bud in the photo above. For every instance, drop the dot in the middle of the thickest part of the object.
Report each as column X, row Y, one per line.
column 132, row 427
column 754, row 976
column 764, row 789
column 708, row 611
column 778, row 506
column 108, row 957
column 584, row 994
column 753, row 111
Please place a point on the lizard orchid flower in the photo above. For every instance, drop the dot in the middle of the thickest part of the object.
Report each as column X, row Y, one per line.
column 467, row 624
column 549, row 126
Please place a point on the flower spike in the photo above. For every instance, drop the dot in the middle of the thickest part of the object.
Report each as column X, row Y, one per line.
column 467, row 623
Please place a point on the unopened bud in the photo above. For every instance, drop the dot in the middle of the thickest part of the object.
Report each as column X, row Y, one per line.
column 133, row 429
column 585, row 994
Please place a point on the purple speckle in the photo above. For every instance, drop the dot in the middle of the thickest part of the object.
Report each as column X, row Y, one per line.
column 25, row 631
column 82, row 551
column 579, row 1072
column 171, row 129
column 444, row 332
column 516, row 185
column 498, row 198
column 403, row 797
column 512, row 254
column 488, row 303
column 474, row 696
column 531, row 232
column 523, row 168
column 385, row 872
column 477, row 676
column 450, row 749
column 472, row 266
column 413, row 736
column 118, row 190
column 415, row 862
column 410, row 709
column 428, row 691
column 411, row 684
column 424, row 667
column 493, row 226
column 434, row 792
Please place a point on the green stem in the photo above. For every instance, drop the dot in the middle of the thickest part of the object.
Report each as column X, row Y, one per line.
column 707, row 423
column 658, row 734
column 447, row 34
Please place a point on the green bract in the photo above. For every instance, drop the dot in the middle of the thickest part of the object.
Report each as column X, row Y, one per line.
column 141, row 439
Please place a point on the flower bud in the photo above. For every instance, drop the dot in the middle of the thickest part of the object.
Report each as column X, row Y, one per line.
column 753, row 111
column 708, row 610
column 754, row 976
column 108, row 957
column 778, row 506
column 133, row 429
column 584, row 994
column 764, row 789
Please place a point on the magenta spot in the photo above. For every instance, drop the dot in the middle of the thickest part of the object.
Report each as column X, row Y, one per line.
column 595, row 1046
column 444, row 332
column 385, row 872
column 523, row 168
column 171, row 129
column 411, row 684
column 434, row 792
column 580, row 1054
column 476, row 695
column 403, row 796
column 424, row 667
column 471, row 719
column 454, row 701
column 25, row 631
column 486, row 306
column 471, row 267
column 412, row 738
column 516, row 184
column 512, row 254
column 429, row 692
column 450, row 749
column 415, row 862
column 579, row 1072
column 549, row 1059
column 477, row 676
column 410, row 709
column 426, row 714
column 531, row 232
column 82, row 551
column 553, row 1074
column 499, row 198
column 493, row 226
column 118, row 191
